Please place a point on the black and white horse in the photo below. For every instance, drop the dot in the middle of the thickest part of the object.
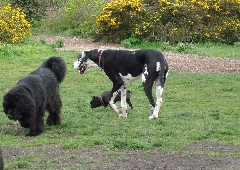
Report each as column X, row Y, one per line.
column 123, row 66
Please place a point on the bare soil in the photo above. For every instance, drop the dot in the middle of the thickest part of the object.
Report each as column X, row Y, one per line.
column 201, row 155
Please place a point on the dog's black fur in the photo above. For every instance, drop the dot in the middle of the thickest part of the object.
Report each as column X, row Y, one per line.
column 1, row 160
column 28, row 100
column 123, row 66
column 104, row 98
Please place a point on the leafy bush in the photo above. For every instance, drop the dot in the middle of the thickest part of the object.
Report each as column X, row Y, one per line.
column 71, row 17
column 197, row 21
column 14, row 26
column 130, row 42
column 171, row 21
column 80, row 15
column 119, row 19
column 35, row 10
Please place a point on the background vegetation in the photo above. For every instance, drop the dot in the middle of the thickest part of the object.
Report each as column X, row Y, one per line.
column 172, row 21
column 13, row 26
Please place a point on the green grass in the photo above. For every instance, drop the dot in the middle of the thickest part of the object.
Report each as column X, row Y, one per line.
column 207, row 49
column 196, row 107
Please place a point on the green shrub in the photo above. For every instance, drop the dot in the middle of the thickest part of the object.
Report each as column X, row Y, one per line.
column 197, row 21
column 35, row 10
column 171, row 20
column 119, row 19
column 80, row 15
column 14, row 26
column 130, row 42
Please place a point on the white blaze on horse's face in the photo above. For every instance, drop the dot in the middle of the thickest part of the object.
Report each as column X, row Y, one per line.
column 81, row 63
column 76, row 64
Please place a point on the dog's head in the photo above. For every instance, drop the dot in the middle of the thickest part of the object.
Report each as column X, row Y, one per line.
column 81, row 63
column 11, row 109
column 96, row 102
column 16, row 107
column 14, row 114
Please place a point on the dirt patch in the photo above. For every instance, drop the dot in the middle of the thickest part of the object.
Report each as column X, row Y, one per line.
column 187, row 158
column 201, row 156
column 177, row 62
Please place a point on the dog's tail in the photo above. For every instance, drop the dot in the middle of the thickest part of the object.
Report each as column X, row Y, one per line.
column 57, row 66
column 163, row 72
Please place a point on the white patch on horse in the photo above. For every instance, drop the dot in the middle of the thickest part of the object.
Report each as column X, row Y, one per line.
column 111, row 102
column 159, row 91
column 166, row 74
column 76, row 64
column 123, row 102
column 158, row 66
column 128, row 78
column 145, row 69
column 145, row 73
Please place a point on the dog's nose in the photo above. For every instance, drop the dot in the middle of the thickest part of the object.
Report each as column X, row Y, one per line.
column 9, row 116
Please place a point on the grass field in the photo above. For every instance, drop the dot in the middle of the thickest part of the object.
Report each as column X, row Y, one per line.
column 207, row 49
column 196, row 107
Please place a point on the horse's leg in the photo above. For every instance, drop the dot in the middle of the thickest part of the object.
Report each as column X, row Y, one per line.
column 123, row 101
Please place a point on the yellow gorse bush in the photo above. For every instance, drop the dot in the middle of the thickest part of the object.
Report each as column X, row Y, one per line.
column 172, row 20
column 196, row 20
column 120, row 16
column 13, row 25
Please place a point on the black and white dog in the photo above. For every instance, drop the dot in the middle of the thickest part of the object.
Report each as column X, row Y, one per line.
column 123, row 66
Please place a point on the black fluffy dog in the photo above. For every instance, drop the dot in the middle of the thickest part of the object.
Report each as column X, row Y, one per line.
column 104, row 98
column 33, row 95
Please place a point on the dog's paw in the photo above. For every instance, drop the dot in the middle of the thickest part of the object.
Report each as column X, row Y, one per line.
column 152, row 117
column 32, row 134
column 50, row 122
column 122, row 115
column 119, row 110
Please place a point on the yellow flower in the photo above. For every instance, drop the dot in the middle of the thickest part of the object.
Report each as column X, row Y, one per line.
column 14, row 26
column 174, row 29
column 174, row 12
